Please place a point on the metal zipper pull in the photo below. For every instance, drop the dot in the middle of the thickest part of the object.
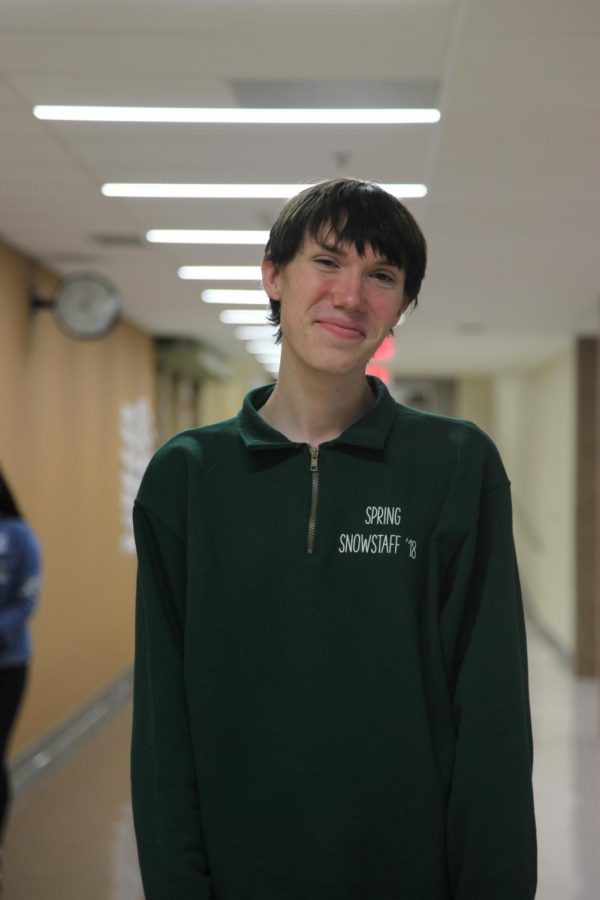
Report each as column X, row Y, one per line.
column 314, row 492
column 314, row 458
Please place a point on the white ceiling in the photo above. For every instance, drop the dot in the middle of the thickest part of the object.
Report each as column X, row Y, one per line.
column 513, row 169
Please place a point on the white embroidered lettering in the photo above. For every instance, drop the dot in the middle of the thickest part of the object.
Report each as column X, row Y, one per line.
column 383, row 515
column 369, row 543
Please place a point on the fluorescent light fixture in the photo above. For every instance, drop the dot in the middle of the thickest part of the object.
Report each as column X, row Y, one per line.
column 203, row 236
column 220, row 273
column 254, row 332
column 245, row 298
column 274, row 357
column 244, row 316
column 236, row 115
column 256, row 347
column 233, row 191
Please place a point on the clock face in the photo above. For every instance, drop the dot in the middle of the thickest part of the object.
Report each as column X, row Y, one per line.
column 87, row 306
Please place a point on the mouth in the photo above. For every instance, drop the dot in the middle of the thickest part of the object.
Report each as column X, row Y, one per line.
column 342, row 328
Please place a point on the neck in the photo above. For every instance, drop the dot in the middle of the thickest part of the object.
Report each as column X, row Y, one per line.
column 312, row 408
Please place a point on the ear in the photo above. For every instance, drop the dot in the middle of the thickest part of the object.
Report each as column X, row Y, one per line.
column 398, row 317
column 406, row 304
column 270, row 279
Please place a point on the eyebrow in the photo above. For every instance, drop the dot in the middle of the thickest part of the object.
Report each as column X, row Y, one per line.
column 338, row 248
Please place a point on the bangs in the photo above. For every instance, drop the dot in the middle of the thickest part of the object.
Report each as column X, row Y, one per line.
column 361, row 215
column 360, row 228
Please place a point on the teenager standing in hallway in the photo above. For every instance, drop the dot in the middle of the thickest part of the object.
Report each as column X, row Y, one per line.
column 331, row 695
column 20, row 574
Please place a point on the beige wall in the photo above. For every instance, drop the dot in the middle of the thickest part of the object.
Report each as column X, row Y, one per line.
column 474, row 401
column 219, row 400
column 185, row 402
column 531, row 415
column 59, row 446
column 535, row 426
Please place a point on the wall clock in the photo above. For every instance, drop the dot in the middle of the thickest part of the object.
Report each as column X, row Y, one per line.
column 86, row 306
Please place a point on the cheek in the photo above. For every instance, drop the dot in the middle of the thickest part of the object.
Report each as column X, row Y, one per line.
column 387, row 311
column 288, row 311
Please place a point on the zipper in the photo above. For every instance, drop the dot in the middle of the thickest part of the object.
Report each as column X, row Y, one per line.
column 314, row 493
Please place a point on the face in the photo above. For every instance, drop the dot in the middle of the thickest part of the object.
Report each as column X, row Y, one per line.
column 336, row 306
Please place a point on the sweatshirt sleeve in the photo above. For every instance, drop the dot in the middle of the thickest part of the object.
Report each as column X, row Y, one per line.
column 491, row 828
column 25, row 591
column 164, row 792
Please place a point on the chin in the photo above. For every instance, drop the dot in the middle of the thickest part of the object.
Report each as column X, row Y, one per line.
column 341, row 368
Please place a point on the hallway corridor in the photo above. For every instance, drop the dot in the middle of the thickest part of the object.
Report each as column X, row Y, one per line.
column 71, row 835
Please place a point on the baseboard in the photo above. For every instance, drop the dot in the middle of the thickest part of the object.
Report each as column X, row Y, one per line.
column 41, row 757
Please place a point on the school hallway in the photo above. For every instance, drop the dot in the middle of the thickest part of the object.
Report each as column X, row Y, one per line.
column 71, row 834
column 144, row 160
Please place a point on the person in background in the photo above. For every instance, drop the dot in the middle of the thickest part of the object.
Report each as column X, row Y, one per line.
column 20, row 577
column 331, row 696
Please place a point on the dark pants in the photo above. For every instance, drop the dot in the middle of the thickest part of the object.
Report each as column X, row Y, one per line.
column 12, row 685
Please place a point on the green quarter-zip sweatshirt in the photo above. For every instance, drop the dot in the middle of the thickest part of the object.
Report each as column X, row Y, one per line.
column 331, row 697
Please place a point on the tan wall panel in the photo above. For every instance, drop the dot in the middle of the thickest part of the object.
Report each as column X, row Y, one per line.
column 59, row 447
column 475, row 400
column 222, row 399
column 534, row 420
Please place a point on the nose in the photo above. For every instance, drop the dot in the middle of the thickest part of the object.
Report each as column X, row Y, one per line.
column 350, row 290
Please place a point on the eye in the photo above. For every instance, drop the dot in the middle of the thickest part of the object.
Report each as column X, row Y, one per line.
column 326, row 261
column 384, row 277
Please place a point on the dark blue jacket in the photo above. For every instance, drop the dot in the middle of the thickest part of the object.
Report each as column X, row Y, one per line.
column 20, row 575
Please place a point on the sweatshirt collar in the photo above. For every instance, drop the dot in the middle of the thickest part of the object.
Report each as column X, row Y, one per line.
column 371, row 430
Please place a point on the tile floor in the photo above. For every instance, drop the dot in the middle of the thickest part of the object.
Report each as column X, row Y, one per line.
column 71, row 836
column 566, row 726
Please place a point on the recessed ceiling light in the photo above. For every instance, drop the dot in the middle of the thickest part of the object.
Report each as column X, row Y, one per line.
column 256, row 347
column 234, row 191
column 220, row 273
column 236, row 115
column 244, row 316
column 271, row 357
column 254, row 332
column 203, row 236
column 240, row 297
